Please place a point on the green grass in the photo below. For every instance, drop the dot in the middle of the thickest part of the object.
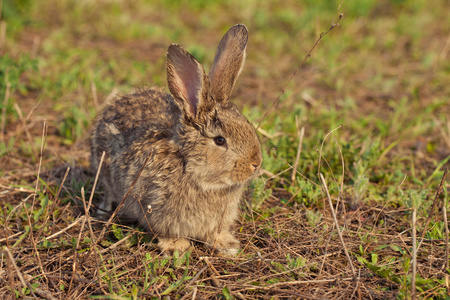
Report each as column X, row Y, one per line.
column 383, row 74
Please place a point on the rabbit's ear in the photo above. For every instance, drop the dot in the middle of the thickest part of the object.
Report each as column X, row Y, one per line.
column 228, row 62
column 187, row 80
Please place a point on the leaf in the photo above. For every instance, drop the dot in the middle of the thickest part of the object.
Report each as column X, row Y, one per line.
column 396, row 248
column 74, row 242
column 382, row 247
column 362, row 260
column 22, row 236
column 148, row 256
column 134, row 292
column 175, row 285
column 374, row 258
column 361, row 249
column 117, row 231
column 47, row 244
column 226, row 293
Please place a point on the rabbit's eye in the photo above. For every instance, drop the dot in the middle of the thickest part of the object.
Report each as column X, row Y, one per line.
column 220, row 140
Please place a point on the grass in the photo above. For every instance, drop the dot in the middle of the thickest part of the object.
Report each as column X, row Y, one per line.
column 383, row 74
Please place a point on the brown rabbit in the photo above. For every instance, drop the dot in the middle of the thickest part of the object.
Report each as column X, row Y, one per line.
column 202, row 151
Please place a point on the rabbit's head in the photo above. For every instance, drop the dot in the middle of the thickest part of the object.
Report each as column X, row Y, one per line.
column 220, row 146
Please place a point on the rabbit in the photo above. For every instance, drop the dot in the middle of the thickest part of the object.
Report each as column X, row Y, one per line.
column 199, row 150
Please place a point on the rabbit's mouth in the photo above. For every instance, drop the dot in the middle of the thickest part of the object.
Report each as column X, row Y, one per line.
column 247, row 168
column 241, row 175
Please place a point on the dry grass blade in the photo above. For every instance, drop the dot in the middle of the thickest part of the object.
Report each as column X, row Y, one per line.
column 194, row 294
column 307, row 282
column 5, row 104
column 290, row 167
column 25, row 128
column 86, row 208
column 88, row 219
column 73, row 224
column 33, row 241
column 324, row 184
column 115, row 245
column 196, row 276
column 213, row 273
column 300, row 135
column 94, row 95
column 445, row 136
column 447, row 245
column 19, row 274
column 357, row 284
column 272, row 288
column 2, row 34
column 341, row 186
column 433, row 207
column 273, row 176
column 323, row 142
column 414, row 254
column 44, row 134
column 48, row 210
column 116, row 211
column 283, row 90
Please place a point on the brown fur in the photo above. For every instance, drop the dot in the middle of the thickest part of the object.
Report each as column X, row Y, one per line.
column 191, row 186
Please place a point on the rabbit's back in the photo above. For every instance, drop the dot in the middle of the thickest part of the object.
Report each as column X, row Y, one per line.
column 130, row 118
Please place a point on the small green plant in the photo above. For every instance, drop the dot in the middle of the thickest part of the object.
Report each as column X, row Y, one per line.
column 360, row 187
column 386, row 269
column 381, row 270
column 310, row 193
column 294, row 263
column 259, row 192
column 436, row 231
column 314, row 218
column 11, row 70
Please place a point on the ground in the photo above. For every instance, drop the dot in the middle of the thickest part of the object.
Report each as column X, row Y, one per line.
column 369, row 109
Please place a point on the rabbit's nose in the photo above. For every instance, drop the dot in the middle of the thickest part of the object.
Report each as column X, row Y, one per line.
column 256, row 163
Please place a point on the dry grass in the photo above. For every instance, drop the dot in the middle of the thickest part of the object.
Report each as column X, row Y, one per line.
column 284, row 253
column 387, row 86
column 263, row 269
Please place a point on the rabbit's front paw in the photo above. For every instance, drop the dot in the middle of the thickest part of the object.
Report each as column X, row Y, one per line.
column 170, row 245
column 226, row 244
